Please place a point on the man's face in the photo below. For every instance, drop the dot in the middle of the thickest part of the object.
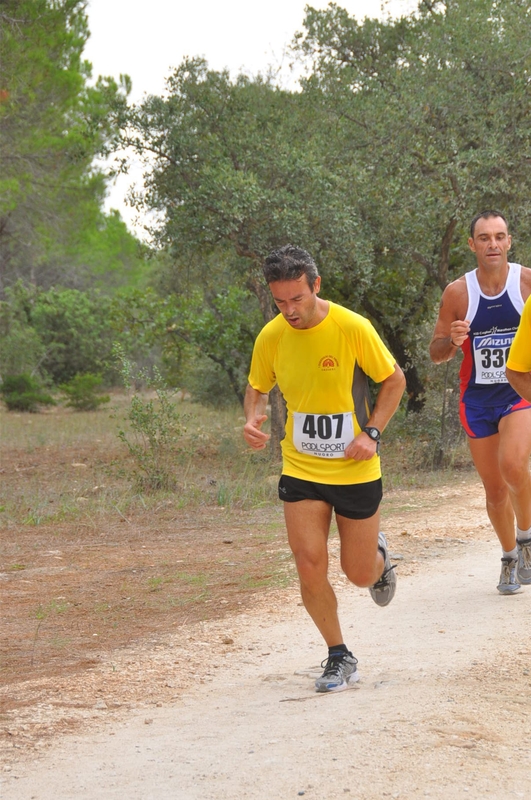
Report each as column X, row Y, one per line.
column 491, row 242
column 296, row 301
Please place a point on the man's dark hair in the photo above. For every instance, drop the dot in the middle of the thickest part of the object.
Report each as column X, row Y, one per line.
column 288, row 263
column 486, row 215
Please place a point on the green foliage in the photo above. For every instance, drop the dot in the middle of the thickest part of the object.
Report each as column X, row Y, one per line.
column 82, row 392
column 156, row 430
column 221, row 326
column 75, row 329
column 404, row 129
column 203, row 324
column 21, row 349
column 432, row 116
column 107, row 256
column 140, row 318
column 67, row 332
column 208, row 384
column 433, row 438
column 52, row 125
column 240, row 168
column 24, row 393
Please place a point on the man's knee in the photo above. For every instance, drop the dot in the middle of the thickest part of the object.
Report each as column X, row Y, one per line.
column 496, row 496
column 363, row 574
column 515, row 473
column 312, row 570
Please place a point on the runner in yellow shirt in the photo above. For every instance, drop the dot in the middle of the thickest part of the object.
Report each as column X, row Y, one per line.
column 519, row 361
column 320, row 354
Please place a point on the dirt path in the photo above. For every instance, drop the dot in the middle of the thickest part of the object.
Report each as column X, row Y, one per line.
column 441, row 711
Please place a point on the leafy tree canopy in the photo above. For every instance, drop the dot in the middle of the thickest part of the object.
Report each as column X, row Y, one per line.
column 52, row 124
column 402, row 131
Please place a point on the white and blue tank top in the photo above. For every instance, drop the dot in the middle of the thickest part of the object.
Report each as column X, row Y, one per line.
column 493, row 324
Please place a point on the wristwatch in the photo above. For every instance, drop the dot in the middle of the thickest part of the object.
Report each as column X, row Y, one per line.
column 375, row 435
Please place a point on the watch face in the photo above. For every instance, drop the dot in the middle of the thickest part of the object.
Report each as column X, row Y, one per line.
column 374, row 433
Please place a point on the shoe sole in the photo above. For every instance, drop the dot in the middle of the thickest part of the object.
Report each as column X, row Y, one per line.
column 525, row 581
column 509, row 591
column 351, row 680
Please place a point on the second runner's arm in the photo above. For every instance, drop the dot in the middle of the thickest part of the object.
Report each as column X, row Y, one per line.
column 450, row 329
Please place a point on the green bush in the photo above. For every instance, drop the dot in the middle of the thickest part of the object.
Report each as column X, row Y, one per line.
column 82, row 392
column 75, row 330
column 155, row 432
column 24, row 393
column 209, row 384
column 21, row 350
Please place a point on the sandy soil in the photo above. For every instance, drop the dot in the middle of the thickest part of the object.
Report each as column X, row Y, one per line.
column 225, row 708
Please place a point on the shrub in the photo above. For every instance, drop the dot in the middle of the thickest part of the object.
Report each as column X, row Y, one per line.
column 82, row 392
column 24, row 393
column 75, row 330
column 156, row 430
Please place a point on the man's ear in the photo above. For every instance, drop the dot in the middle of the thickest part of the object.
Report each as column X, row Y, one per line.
column 471, row 244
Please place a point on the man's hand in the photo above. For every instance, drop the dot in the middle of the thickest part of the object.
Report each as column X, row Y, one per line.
column 362, row 448
column 254, row 405
column 459, row 331
column 252, row 434
column 451, row 328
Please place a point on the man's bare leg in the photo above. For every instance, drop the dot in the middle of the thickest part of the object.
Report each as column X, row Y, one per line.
column 514, row 453
column 361, row 560
column 485, row 454
column 308, row 526
column 515, row 449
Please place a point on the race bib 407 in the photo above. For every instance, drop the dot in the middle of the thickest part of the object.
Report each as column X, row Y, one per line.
column 323, row 435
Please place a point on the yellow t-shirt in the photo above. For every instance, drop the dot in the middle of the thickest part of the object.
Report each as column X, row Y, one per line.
column 520, row 352
column 321, row 372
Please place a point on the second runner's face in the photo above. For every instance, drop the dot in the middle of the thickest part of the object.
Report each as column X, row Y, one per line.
column 491, row 242
column 297, row 302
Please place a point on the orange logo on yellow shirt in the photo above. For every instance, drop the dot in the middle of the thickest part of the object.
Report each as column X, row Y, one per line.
column 328, row 362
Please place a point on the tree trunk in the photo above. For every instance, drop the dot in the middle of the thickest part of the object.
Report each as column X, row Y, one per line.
column 414, row 386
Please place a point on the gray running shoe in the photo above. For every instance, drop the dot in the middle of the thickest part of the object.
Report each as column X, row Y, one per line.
column 340, row 672
column 383, row 591
column 508, row 583
column 523, row 570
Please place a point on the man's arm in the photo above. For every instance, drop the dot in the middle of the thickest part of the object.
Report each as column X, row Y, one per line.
column 521, row 383
column 254, row 406
column 451, row 329
column 362, row 448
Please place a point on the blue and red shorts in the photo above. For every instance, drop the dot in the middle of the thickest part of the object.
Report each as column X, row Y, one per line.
column 482, row 422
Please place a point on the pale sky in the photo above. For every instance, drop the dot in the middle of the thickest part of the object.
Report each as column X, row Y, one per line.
column 146, row 39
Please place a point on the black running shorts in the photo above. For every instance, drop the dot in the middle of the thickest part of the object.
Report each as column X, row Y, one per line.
column 354, row 501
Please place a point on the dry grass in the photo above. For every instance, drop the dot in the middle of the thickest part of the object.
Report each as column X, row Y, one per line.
column 88, row 562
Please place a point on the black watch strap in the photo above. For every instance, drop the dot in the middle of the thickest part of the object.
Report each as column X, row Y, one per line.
column 374, row 433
